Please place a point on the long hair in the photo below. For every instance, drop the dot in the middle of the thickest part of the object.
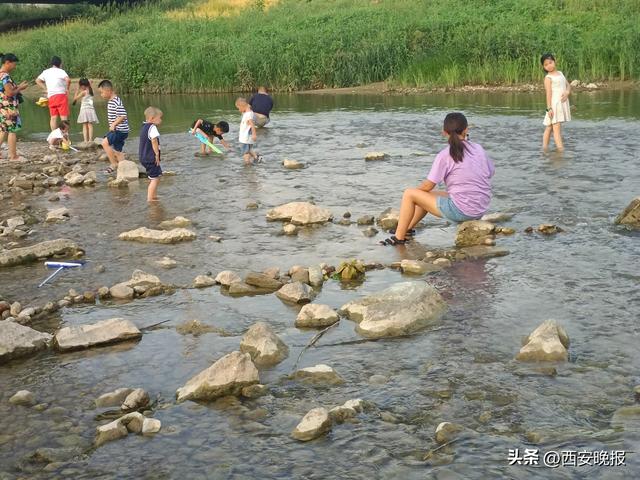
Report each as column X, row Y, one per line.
column 84, row 82
column 454, row 124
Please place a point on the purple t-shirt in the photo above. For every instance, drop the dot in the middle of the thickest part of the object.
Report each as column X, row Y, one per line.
column 468, row 182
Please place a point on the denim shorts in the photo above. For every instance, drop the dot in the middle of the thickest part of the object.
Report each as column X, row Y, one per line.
column 450, row 211
column 246, row 148
column 116, row 140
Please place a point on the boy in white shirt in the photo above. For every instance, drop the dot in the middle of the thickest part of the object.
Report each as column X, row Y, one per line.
column 59, row 136
column 247, row 134
column 56, row 82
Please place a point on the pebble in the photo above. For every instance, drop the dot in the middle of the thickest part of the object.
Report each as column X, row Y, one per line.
column 24, row 398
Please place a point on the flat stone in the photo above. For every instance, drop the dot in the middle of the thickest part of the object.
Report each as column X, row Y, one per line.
column 547, row 343
column 315, row 315
column 482, row 251
column 110, row 432
column 417, row 267
column 299, row 213
column 202, row 281
column 121, row 291
column 57, row 215
column 399, row 310
column 296, row 292
column 474, row 232
column 100, row 333
column 263, row 281
column 264, row 346
column 241, row 288
column 315, row 423
column 151, row 426
column 375, row 156
column 147, row 235
column 127, row 170
column 227, row 376
column 319, row 374
column 19, row 341
column 497, row 217
column 24, row 398
column 631, row 215
column 113, row 399
column 388, row 219
column 227, row 277
column 48, row 249
column 292, row 164
column 177, row 222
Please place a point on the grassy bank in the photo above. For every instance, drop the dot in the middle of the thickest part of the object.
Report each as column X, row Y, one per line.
column 213, row 45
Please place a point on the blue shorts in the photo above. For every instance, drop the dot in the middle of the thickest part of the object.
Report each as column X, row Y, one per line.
column 246, row 148
column 153, row 171
column 116, row 139
column 450, row 211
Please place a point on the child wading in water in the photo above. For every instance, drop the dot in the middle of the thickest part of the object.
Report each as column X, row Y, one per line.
column 113, row 142
column 466, row 171
column 247, row 133
column 558, row 110
column 87, row 116
column 210, row 130
column 149, row 151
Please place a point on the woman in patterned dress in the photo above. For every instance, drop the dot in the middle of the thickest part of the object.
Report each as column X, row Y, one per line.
column 9, row 100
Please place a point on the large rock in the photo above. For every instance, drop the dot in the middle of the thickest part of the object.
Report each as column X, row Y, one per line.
column 315, row 423
column 319, row 374
column 299, row 213
column 228, row 376
column 18, row 341
column 264, row 346
column 177, row 222
column 315, row 315
column 127, row 170
column 631, row 215
column 547, row 343
column 474, row 232
column 399, row 310
column 261, row 280
column 100, row 333
column 147, row 235
column 48, row 249
column 296, row 292
column 227, row 277
column 388, row 219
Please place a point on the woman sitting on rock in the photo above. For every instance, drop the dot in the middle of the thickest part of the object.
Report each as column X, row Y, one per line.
column 466, row 171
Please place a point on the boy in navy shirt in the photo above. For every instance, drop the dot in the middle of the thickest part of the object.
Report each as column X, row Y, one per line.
column 149, row 151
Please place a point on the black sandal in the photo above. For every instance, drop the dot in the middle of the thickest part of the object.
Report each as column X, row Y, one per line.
column 410, row 233
column 393, row 241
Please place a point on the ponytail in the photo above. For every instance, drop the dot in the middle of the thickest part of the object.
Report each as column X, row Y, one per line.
column 454, row 125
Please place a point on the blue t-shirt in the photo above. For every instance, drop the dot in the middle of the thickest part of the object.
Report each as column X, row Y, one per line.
column 261, row 103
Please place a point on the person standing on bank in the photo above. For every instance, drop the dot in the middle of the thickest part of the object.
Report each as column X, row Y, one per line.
column 466, row 170
column 261, row 104
column 9, row 101
column 56, row 82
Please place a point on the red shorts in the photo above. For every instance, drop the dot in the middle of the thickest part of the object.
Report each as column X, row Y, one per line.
column 59, row 105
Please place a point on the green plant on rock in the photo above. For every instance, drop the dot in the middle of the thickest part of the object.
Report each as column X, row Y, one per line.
column 350, row 270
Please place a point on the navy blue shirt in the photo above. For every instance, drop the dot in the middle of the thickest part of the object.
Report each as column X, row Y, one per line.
column 145, row 151
column 261, row 103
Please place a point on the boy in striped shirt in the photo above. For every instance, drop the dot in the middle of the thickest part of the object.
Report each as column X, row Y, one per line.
column 113, row 142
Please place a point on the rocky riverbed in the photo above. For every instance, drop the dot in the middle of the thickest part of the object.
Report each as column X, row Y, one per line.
column 251, row 315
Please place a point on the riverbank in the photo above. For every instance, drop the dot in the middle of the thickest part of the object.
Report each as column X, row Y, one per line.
column 296, row 45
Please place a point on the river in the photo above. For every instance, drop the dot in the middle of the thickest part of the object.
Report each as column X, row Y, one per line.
column 463, row 370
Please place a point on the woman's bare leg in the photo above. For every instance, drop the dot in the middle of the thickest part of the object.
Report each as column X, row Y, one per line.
column 557, row 136
column 13, row 152
column 411, row 198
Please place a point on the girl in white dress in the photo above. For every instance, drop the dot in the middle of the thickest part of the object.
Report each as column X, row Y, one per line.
column 558, row 110
column 87, row 116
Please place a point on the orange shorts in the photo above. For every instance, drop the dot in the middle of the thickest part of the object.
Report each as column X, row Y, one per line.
column 59, row 105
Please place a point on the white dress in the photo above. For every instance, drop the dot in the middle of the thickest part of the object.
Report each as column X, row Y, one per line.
column 561, row 110
column 87, row 112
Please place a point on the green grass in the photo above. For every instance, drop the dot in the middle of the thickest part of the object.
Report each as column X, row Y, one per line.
column 298, row 44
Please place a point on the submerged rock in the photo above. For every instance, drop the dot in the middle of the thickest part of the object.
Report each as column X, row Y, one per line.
column 289, row 229
column 319, row 374
column 121, row 291
column 399, row 310
column 549, row 229
column 127, row 170
column 240, row 289
column 203, row 281
column 631, row 215
column 547, row 343
column 447, row 432
column 100, row 333
column 264, row 346
column 416, row 267
column 57, row 215
column 292, row 164
column 227, row 376
column 474, row 232
column 110, row 432
column 147, row 235
column 254, row 391
column 374, row 156
column 151, row 426
column 388, row 219
column 483, row 251
column 315, row 423
column 24, row 398
column 113, row 399
column 315, row 315
column 366, row 220
column 227, row 277
column 50, row 248
column 166, row 262
column 177, row 222
column 19, row 341
column 296, row 292
column 299, row 213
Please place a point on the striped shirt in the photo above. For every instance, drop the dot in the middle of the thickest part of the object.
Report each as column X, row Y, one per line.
column 115, row 109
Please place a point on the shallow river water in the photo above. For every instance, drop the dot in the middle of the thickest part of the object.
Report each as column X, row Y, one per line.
column 462, row 370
